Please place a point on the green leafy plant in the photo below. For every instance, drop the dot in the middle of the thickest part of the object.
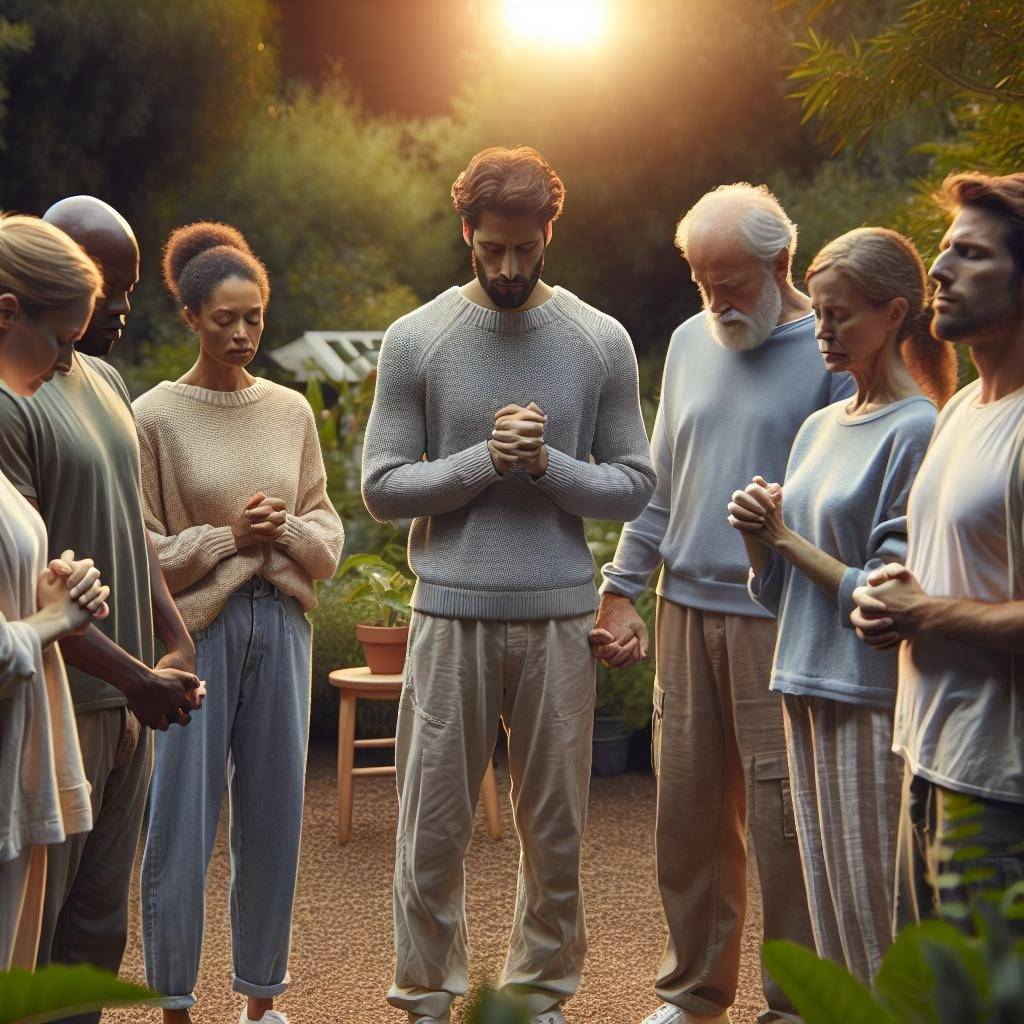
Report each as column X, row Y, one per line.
column 936, row 972
column 486, row 1006
column 387, row 589
column 52, row 992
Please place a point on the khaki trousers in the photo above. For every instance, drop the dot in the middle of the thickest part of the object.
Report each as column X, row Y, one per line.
column 461, row 678
column 846, row 795
column 22, row 884
column 719, row 749
column 85, row 918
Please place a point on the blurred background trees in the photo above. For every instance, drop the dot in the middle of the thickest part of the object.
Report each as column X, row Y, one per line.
column 330, row 134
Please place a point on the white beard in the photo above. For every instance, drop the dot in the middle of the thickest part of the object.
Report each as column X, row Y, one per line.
column 742, row 332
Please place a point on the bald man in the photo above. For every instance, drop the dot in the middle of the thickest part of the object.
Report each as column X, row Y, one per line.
column 72, row 451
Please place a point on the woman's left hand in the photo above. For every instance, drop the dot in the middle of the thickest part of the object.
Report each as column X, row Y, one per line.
column 267, row 517
column 757, row 510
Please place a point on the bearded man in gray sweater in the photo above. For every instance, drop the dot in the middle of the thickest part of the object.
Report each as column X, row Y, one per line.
column 506, row 411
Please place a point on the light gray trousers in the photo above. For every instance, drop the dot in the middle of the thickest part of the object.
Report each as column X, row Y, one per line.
column 251, row 732
column 846, row 795
column 462, row 676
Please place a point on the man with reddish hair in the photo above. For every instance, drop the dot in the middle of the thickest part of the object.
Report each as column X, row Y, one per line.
column 506, row 411
column 958, row 604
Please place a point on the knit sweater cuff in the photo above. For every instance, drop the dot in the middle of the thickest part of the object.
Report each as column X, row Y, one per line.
column 219, row 542
column 561, row 477
column 474, row 466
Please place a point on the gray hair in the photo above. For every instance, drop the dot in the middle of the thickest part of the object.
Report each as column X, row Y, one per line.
column 759, row 216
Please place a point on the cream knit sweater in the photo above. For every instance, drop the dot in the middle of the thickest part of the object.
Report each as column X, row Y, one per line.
column 204, row 454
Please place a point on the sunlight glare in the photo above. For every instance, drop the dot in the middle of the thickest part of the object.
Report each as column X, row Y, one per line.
column 572, row 22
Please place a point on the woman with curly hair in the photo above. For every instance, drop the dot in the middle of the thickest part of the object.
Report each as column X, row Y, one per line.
column 841, row 512
column 237, row 506
column 48, row 287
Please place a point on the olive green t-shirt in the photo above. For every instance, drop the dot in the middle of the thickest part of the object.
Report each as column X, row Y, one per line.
column 72, row 449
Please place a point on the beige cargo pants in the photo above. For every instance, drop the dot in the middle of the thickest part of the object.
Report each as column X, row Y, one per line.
column 461, row 677
column 720, row 755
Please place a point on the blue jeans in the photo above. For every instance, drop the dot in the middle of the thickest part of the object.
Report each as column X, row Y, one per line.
column 251, row 732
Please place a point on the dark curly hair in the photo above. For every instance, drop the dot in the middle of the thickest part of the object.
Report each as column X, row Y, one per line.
column 198, row 257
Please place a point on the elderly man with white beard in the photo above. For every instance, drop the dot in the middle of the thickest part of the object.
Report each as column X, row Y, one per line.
column 740, row 378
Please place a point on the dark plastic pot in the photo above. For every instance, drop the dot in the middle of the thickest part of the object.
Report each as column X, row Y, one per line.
column 611, row 746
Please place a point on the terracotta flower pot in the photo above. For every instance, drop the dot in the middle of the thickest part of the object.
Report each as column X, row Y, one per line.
column 384, row 648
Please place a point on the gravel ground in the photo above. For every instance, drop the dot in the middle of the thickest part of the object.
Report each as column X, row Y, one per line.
column 341, row 958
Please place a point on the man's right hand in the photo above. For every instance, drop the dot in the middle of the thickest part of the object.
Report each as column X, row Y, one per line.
column 165, row 696
column 619, row 637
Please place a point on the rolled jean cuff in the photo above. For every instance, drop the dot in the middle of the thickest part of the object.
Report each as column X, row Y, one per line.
column 247, row 988
column 174, row 1002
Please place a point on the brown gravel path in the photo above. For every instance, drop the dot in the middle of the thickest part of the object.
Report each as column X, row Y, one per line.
column 341, row 957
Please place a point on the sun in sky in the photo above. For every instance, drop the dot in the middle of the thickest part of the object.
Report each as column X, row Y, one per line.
column 569, row 22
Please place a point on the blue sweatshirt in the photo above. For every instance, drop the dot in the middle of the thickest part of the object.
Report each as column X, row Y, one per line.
column 846, row 492
column 724, row 417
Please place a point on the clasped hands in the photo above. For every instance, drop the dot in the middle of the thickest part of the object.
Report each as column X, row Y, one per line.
column 262, row 519
column 890, row 608
column 518, row 439
column 72, row 588
column 757, row 510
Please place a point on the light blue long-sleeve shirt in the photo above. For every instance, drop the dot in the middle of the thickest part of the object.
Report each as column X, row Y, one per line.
column 846, row 492
column 724, row 417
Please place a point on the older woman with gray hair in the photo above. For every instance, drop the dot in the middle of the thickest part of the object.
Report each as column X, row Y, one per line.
column 841, row 512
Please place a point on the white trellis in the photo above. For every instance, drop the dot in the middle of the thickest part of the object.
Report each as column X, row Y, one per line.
column 330, row 355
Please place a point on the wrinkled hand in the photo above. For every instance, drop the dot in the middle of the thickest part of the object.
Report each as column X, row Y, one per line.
column 168, row 696
column 518, row 439
column 266, row 516
column 757, row 509
column 889, row 609
column 619, row 637
column 73, row 588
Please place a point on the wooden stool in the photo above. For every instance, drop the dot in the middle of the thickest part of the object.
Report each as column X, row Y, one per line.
column 360, row 683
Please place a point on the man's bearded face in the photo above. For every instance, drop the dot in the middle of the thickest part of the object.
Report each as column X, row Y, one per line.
column 744, row 331
column 505, row 293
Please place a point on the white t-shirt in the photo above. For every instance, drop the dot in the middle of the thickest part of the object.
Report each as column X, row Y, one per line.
column 959, row 718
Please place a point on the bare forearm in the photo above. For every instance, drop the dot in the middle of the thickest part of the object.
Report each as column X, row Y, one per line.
column 997, row 627
column 49, row 626
column 95, row 653
column 167, row 621
column 758, row 553
column 820, row 568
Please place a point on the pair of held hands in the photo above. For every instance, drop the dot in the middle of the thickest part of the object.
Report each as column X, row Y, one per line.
column 887, row 610
column 71, row 590
column 518, row 439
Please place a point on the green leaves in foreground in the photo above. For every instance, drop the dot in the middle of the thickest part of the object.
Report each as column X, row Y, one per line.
column 823, row 992
column 485, row 1006
column 52, row 991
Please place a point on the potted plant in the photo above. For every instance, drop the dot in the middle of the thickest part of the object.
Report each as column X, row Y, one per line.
column 386, row 591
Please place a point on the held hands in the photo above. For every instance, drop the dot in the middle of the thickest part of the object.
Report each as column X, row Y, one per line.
column 890, row 608
column 72, row 589
column 262, row 519
column 757, row 510
column 518, row 439
column 619, row 636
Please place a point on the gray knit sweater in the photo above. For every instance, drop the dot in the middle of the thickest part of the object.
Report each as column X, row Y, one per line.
column 485, row 546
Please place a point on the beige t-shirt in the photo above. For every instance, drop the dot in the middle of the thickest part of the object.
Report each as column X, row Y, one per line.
column 72, row 449
column 44, row 796
column 959, row 718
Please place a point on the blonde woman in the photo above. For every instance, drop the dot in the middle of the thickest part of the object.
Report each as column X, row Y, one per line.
column 841, row 512
column 47, row 290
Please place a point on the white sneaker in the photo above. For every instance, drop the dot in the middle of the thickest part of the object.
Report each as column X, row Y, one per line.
column 552, row 1016
column 270, row 1017
column 669, row 1014
column 413, row 1019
